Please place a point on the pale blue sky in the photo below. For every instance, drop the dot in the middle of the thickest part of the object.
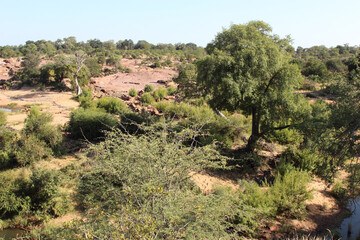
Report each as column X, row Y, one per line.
column 308, row 22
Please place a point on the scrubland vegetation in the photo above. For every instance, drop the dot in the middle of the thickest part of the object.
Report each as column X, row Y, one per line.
column 247, row 92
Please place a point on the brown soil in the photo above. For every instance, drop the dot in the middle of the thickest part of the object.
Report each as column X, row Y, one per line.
column 207, row 183
column 139, row 76
column 323, row 211
column 59, row 104
column 6, row 65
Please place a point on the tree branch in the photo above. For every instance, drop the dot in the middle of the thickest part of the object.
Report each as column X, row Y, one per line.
column 277, row 128
column 270, row 81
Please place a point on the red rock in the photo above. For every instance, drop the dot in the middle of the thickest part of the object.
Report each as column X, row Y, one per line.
column 125, row 97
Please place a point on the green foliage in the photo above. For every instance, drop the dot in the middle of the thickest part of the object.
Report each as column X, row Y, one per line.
column 306, row 159
column 132, row 92
column 94, row 67
column 30, row 150
column 213, row 128
column 36, row 197
column 9, row 52
column 85, row 99
column 149, row 88
column 286, row 196
column 8, row 147
column 160, row 93
column 132, row 123
column 184, row 110
column 225, row 131
column 286, row 136
column 30, row 61
column 2, row 118
column 43, row 190
column 249, row 69
column 316, row 70
column 340, row 192
column 112, row 105
column 139, row 182
column 186, row 80
column 289, row 193
column 171, row 90
column 10, row 202
column 37, row 124
column 90, row 123
column 147, row 99
column 335, row 65
column 53, row 73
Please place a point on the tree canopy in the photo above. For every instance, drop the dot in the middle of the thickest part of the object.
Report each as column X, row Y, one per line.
column 249, row 69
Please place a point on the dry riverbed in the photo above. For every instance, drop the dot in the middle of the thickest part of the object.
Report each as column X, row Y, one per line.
column 60, row 104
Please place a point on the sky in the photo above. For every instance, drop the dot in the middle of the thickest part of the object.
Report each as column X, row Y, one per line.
column 308, row 22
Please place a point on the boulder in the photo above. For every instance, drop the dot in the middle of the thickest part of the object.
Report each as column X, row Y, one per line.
column 125, row 97
column 162, row 82
column 67, row 83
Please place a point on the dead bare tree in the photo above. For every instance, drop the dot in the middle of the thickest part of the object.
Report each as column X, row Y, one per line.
column 80, row 58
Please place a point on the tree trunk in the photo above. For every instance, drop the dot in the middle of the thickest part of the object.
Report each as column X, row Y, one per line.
column 78, row 88
column 255, row 131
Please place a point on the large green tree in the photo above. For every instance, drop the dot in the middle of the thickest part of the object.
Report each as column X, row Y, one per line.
column 249, row 69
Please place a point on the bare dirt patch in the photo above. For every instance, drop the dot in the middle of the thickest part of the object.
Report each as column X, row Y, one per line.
column 59, row 104
column 323, row 210
column 139, row 76
column 207, row 183
column 7, row 66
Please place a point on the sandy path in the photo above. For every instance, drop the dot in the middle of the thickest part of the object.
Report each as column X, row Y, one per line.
column 59, row 104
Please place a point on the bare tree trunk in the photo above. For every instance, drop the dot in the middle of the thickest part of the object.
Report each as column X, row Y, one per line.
column 78, row 88
column 80, row 57
column 255, row 131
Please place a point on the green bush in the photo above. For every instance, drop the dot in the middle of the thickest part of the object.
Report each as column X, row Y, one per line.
column 286, row 136
column 30, row 150
column 112, row 105
column 38, row 124
column 340, row 192
column 2, row 118
column 253, row 195
column 225, row 131
column 286, row 196
column 35, row 198
column 171, row 90
column 11, row 203
column 139, row 182
column 147, row 99
column 213, row 127
column 289, row 193
column 90, row 123
column 132, row 92
column 131, row 123
column 160, row 93
column 182, row 110
column 304, row 159
column 8, row 146
column 85, row 99
column 149, row 88
column 43, row 190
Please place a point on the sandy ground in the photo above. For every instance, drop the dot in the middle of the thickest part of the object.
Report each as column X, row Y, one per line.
column 137, row 78
column 323, row 210
column 207, row 183
column 59, row 104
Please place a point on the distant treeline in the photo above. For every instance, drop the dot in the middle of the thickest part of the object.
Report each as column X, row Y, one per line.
column 69, row 45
